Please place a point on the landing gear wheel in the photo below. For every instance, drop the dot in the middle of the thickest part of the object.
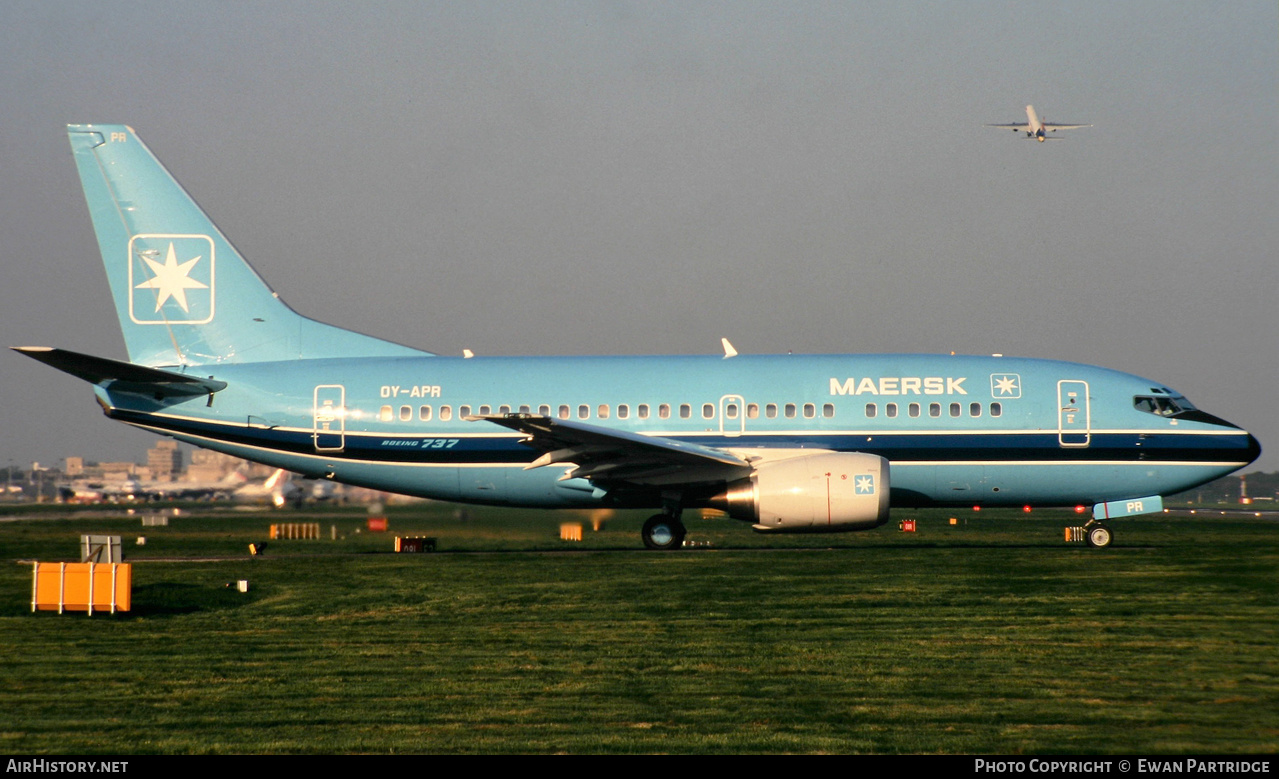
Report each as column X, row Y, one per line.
column 1098, row 536
column 663, row 531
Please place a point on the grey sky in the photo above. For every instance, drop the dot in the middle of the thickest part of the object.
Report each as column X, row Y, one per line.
column 580, row 178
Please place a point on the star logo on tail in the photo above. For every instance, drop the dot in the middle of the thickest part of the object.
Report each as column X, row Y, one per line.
column 171, row 279
column 177, row 289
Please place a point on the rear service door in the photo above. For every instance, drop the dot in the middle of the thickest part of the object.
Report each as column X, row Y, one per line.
column 329, row 413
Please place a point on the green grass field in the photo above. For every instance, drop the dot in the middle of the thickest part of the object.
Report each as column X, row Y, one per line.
column 992, row 636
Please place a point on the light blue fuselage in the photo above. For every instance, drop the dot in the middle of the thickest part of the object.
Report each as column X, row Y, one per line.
column 983, row 443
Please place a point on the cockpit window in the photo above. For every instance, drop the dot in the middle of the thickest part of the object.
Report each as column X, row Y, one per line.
column 1162, row 406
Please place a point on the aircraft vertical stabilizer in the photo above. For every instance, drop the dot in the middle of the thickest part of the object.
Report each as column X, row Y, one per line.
column 183, row 294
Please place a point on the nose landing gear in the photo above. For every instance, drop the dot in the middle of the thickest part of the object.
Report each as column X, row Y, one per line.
column 1094, row 534
column 1098, row 536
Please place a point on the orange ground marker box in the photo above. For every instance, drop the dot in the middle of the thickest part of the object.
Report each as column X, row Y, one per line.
column 82, row 587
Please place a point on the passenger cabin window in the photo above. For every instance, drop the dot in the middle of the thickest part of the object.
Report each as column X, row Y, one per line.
column 685, row 411
column 770, row 411
column 544, row 410
column 974, row 409
column 486, row 409
column 563, row 412
column 664, row 411
column 934, row 409
column 890, row 410
column 384, row 414
column 406, row 413
column 463, row 411
column 623, row 411
column 730, row 411
column 708, row 411
column 603, row 411
column 790, row 410
column 424, row 413
column 446, row 413
column 583, row 412
column 504, row 409
column 996, row 409
column 752, row 411
column 956, row 409
column 828, row 410
column 913, row 409
column 810, row 411
column 871, row 410
column 642, row 410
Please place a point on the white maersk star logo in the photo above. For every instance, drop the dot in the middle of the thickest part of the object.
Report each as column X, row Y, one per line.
column 1005, row 385
column 171, row 279
column 864, row 485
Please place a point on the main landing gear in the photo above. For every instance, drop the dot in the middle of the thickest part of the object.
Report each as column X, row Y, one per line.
column 663, row 531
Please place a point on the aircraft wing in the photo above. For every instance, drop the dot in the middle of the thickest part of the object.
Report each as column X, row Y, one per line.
column 1059, row 126
column 612, row 457
column 1014, row 126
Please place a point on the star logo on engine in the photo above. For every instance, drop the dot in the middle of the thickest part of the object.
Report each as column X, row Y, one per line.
column 171, row 279
column 864, row 485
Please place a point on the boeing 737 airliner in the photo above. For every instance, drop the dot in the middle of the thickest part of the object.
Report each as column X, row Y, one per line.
column 788, row 443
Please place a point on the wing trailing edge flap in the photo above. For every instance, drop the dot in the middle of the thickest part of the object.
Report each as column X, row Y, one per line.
column 122, row 376
column 614, row 456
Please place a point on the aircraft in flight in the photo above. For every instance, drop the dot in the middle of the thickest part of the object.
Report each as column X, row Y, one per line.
column 1034, row 128
column 788, row 443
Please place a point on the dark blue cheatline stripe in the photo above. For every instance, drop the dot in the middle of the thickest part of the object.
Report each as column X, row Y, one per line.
column 1132, row 447
column 363, row 447
column 506, row 450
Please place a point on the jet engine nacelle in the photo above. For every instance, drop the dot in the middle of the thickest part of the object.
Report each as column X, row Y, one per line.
column 819, row 493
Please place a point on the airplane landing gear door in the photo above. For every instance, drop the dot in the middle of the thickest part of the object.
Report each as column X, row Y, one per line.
column 1073, row 422
column 732, row 416
column 329, row 414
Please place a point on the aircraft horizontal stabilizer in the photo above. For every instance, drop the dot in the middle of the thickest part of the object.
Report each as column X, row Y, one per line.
column 121, row 376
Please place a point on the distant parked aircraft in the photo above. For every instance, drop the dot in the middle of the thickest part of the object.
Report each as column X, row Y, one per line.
column 129, row 488
column 278, row 489
column 1037, row 129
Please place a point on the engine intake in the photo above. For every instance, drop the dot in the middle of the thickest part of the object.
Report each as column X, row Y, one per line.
column 820, row 493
